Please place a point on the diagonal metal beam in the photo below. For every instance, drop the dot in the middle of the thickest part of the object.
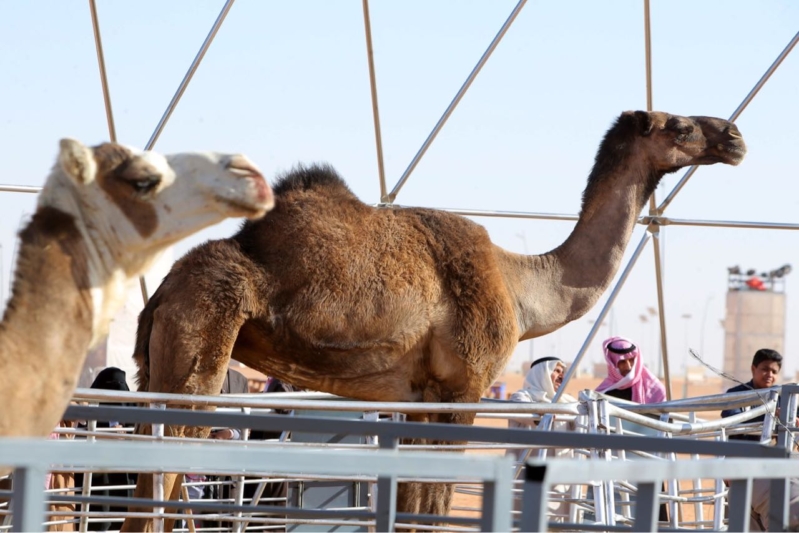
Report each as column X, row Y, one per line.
column 737, row 113
column 370, row 57
column 189, row 74
column 465, row 87
column 177, row 96
column 98, row 44
column 602, row 314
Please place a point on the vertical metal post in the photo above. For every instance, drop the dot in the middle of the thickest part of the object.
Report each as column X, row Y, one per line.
column 27, row 502
column 534, row 499
column 498, row 499
column 787, row 417
column 158, row 477
column 646, row 502
column 370, row 57
column 387, row 494
column 739, row 504
column 769, row 421
column 718, row 501
column 602, row 314
column 461, row 92
column 607, row 455
column 648, row 52
column 664, row 350
column 238, row 482
column 83, row 521
column 778, row 505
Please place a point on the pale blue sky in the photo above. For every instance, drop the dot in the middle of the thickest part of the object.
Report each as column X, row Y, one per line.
column 286, row 82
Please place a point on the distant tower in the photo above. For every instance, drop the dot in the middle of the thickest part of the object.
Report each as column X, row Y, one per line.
column 755, row 317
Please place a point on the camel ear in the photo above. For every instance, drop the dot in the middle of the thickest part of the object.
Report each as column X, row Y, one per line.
column 644, row 122
column 77, row 161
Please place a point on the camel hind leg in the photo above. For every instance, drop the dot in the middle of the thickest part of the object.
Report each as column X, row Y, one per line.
column 433, row 498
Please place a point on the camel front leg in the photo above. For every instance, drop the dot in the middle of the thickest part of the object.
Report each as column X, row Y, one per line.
column 184, row 359
column 145, row 483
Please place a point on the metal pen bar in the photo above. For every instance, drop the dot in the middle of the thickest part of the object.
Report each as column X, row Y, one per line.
column 456, row 100
column 176, row 98
column 730, row 224
column 664, row 350
column 498, row 500
column 648, row 53
column 20, row 188
column 370, row 57
column 608, row 304
column 510, row 214
column 386, row 512
column 646, row 501
column 645, row 220
column 434, row 431
column 27, row 504
column 762, row 81
column 735, row 114
column 189, row 74
column 739, row 502
column 98, row 44
column 534, row 498
column 648, row 61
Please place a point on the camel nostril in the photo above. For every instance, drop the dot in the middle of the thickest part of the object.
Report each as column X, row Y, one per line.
column 241, row 166
column 733, row 132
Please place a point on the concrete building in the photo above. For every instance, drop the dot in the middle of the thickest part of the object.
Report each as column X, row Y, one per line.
column 755, row 318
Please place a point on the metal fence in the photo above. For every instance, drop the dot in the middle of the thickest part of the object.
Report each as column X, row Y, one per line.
column 619, row 434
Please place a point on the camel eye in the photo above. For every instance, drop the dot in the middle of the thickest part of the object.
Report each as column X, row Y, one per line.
column 145, row 185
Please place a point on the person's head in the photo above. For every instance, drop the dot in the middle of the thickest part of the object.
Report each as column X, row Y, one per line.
column 766, row 366
column 555, row 368
column 111, row 378
column 621, row 353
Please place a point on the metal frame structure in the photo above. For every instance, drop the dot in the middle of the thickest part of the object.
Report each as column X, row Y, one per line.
column 192, row 455
column 654, row 221
column 31, row 458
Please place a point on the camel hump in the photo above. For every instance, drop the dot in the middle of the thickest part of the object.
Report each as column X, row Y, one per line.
column 305, row 177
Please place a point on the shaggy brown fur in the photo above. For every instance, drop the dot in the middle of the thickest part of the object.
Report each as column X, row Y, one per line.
column 330, row 294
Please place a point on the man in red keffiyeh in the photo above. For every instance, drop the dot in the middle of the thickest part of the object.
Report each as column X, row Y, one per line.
column 628, row 378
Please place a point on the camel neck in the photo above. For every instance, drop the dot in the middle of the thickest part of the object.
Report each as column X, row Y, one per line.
column 47, row 326
column 562, row 285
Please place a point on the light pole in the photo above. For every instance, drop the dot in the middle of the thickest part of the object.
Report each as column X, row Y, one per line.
column 687, row 317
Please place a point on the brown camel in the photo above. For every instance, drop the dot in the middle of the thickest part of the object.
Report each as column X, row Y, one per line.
column 404, row 304
column 104, row 214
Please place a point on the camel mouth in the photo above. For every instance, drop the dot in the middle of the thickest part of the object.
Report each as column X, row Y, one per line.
column 254, row 201
column 731, row 153
column 252, row 210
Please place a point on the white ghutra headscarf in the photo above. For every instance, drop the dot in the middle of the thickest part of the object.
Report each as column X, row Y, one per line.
column 538, row 381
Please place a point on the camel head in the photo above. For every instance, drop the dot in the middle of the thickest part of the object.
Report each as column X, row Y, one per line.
column 137, row 203
column 131, row 205
column 673, row 142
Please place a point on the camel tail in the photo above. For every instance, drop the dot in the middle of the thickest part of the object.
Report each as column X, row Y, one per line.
column 141, row 352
